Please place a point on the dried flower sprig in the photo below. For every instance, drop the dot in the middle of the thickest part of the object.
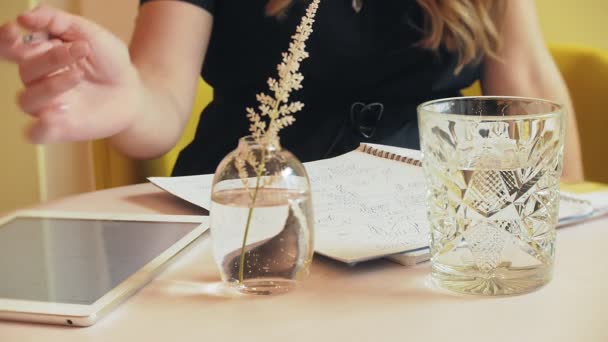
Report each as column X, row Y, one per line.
column 274, row 113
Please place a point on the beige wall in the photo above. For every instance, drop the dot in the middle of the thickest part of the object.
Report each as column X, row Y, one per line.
column 32, row 174
column 117, row 15
column 19, row 181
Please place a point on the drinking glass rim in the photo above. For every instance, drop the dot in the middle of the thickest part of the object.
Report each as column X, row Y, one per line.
column 559, row 111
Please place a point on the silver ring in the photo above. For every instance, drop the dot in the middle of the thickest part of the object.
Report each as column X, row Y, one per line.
column 35, row 37
column 28, row 38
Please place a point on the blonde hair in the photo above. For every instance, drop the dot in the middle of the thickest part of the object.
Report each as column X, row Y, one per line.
column 466, row 27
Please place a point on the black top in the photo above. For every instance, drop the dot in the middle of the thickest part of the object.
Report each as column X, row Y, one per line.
column 362, row 82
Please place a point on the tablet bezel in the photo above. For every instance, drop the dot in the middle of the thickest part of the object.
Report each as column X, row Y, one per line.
column 86, row 315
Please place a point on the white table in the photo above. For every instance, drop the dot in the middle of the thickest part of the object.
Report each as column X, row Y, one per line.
column 376, row 301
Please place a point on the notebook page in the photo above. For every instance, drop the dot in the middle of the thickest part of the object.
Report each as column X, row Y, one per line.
column 367, row 207
column 194, row 189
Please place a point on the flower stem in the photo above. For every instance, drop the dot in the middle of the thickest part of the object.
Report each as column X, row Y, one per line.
column 260, row 169
column 249, row 216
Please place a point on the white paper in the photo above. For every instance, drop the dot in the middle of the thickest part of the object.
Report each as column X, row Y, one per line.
column 365, row 206
column 573, row 208
column 194, row 189
column 599, row 200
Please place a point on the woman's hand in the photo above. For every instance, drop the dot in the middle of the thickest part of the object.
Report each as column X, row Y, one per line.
column 84, row 83
column 79, row 85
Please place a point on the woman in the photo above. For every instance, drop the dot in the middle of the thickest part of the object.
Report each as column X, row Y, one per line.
column 371, row 63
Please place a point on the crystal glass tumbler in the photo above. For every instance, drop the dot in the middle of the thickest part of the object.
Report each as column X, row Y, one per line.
column 493, row 166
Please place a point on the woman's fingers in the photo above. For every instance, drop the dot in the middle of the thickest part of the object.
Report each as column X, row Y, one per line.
column 46, row 128
column 42, row 95
column 27, row 51
column 41, row 20
column 9, row 39
column 13, row 47
column 54, row 60
column 57, row 23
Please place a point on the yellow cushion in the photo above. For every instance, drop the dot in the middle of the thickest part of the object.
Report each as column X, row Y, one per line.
column 586, row 73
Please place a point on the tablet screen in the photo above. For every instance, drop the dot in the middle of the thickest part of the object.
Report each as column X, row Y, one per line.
column 77, row 261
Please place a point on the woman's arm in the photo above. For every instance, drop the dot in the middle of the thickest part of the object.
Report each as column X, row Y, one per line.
column 168, row 47
column 86, row 84
column 526, row 68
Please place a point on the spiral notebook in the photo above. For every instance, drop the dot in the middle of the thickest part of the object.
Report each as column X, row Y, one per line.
column 573, row 208
column 368, row 204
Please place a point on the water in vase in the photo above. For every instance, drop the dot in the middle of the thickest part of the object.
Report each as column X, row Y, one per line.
column 278, row 248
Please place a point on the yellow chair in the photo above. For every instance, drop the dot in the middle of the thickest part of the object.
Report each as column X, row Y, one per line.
column 585, row 71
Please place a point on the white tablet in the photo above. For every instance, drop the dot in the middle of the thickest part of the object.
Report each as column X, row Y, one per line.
column 72, row 268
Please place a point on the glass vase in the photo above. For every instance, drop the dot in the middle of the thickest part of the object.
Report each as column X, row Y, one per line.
column 261, row 218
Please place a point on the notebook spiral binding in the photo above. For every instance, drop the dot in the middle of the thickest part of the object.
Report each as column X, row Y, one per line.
column 388, row 155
